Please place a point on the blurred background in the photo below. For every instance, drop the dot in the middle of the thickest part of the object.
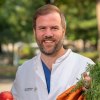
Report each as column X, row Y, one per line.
column 17, row 42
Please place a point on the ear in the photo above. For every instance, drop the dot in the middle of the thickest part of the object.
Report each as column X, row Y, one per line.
column 64, row 31
column 33, row 31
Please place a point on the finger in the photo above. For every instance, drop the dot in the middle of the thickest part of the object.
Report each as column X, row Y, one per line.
column 85, row 74
column 86, row 81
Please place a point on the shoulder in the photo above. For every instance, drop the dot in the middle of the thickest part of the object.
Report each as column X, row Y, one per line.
column 81, row 58
column 28, row 65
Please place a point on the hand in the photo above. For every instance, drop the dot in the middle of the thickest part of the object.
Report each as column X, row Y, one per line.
column 86, row 81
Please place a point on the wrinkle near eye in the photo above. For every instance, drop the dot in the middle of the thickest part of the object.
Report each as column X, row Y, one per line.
column 55, row 28
column 41, row 28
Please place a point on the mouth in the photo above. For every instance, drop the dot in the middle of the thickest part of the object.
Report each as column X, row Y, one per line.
column 48, row 41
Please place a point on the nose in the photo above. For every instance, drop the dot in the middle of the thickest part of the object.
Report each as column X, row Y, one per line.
column 48, row 32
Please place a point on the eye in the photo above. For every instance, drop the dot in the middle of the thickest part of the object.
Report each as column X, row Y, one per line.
column 41, row 28
column 55, row 28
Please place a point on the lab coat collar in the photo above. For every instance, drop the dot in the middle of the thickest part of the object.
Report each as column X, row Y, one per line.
column 60, row 59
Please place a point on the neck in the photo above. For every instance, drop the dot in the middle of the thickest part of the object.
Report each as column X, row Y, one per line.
column 50, row 59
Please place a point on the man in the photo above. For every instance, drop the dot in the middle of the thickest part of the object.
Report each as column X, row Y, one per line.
column 55, row 69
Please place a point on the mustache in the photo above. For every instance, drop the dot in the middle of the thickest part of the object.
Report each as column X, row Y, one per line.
column 48, row 38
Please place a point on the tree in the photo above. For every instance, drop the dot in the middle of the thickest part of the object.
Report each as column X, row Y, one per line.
column 49, row 1
column 16, row 20
column 98, row 18
column 81, row 24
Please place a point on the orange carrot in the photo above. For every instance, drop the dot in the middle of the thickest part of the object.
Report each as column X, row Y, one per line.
column 81, row 97
column 71, row 94
column 74, row 95
column 64, row 95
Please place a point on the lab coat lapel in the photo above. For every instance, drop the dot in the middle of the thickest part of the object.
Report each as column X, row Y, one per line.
column 39, row 69
column 40, row 80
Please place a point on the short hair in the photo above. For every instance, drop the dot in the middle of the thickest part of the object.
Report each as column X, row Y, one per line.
column 46, row 9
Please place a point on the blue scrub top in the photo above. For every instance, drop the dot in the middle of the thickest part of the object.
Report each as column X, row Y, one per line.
column 47, row 73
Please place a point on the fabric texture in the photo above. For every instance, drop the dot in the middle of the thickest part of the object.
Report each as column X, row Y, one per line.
column 30, row 83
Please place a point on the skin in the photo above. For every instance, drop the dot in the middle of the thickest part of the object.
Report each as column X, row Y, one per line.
column 87, row 81
column 49, row 35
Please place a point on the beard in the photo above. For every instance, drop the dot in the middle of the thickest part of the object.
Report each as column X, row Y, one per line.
column 55, row 47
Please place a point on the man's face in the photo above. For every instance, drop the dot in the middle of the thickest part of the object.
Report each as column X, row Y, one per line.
column 49, row 33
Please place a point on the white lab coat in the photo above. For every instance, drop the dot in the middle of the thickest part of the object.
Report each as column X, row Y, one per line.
column 30, row 81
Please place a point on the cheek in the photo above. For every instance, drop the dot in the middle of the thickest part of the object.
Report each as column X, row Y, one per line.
column 37, row 34
column 38, row 37
column 60, row 35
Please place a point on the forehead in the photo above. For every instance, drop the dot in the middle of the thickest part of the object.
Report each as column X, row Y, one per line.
column 51, row 18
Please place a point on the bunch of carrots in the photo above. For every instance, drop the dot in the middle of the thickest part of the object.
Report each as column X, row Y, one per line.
column 72, row 93
column 76, row 92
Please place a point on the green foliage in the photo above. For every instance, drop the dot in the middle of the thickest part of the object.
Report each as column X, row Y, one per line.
column 16, row 20
column 22, row 61
column 94, row 92
column 26, row 52
column 2, row 2
column 91, row 55
column 81, row 18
